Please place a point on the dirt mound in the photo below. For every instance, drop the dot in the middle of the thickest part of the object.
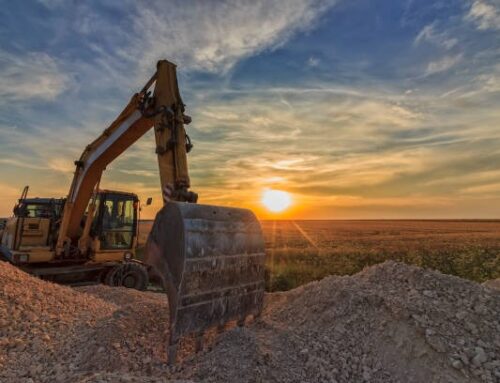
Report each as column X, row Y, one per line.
column 133, row 339
column 38, row 321
column 390, row 323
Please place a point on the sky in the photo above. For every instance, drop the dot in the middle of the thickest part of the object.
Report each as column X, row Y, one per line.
column 360, row 109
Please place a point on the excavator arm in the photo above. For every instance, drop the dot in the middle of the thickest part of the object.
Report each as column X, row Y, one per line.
column 165, row 111
column 209, row 259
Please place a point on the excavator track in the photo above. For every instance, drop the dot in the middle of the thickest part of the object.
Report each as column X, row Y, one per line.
column 210, row 260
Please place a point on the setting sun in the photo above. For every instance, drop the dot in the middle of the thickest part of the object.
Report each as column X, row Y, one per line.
column 276, row 200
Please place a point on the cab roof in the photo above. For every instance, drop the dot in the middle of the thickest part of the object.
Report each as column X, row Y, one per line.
column 105, row 191
column 42, row 201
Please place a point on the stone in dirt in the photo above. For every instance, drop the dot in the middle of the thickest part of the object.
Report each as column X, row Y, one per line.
column 389, row 323
column 493, row 284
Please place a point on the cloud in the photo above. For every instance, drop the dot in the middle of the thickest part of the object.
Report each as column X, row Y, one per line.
column 141, row 173
column 443, row 64
column 492, row 189
column 51, row 4
column 31, row 76
column 199, row 36
column 429, row 34
column 348, row 137
column 214, row 36
column 313, row 62
column 22, row 164
column 62, row 165
column 292, row 150
column 485, row 14
column 368, row 147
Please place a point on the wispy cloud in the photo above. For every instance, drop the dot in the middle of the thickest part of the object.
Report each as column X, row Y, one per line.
column 197, row 35
column 431, row 35
column 485, row 14
column 51, row 4
column 283, row 94
column 443, row 64
column 22, row 164
column 313, row 62
column 214, row 36
column 33, row 75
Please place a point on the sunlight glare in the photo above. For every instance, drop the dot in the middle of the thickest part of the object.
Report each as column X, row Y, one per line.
column 276, row 200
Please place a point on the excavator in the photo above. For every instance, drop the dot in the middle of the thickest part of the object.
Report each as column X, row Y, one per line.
column 208, row 259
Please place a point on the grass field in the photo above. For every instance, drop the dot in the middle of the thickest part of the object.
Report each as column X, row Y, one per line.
column 301, row 251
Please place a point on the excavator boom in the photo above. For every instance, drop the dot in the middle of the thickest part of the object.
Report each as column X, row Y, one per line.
column 123, row 132
column 165, row 111
column 209, row 259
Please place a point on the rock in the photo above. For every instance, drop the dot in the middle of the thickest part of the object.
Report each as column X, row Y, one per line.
column 464, row 359
column 480, row 357
column 428, row 293
column 35, row 370
column 480, row 308
column 493, row 284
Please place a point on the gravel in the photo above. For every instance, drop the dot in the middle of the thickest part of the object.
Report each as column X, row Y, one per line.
column 389, row 323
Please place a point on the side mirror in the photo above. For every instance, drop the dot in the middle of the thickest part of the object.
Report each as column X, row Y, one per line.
column 149, row 201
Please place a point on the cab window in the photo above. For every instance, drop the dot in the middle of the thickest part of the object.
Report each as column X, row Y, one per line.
column 118, row 222
column 35, row 211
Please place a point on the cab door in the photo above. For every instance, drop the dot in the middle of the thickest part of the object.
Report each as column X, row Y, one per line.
column 118, row 222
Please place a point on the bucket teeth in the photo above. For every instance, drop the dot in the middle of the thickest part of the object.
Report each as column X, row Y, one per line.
column 211, row 262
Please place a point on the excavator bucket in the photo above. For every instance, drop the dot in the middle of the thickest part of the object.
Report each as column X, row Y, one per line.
column 210, row 260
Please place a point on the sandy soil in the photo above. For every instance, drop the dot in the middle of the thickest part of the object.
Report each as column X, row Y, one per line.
column 389, row 323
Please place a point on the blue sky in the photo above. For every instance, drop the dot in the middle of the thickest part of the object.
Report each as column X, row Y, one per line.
column 359, row 109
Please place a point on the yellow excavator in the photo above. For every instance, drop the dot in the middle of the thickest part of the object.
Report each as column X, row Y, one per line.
column 209, row 259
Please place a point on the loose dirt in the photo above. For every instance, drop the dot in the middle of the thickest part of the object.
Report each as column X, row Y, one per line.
column 389, row 323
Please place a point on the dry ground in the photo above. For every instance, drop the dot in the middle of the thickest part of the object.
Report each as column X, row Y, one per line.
column 390, row 323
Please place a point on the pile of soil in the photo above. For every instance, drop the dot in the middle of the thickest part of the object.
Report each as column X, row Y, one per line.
column 50, row 332
column 389, row 323
column 38, row 322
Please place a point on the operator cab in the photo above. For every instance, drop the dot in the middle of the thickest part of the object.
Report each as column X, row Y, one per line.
column 115, row 220
column 34, row 223
column 39, row 208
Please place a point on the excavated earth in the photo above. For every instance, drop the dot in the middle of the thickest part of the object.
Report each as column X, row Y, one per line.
column 389, row 323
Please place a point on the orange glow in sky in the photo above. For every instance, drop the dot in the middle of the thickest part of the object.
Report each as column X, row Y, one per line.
column 301, row 110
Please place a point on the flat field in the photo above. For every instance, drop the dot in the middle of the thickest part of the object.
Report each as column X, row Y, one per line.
column 301, row 251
